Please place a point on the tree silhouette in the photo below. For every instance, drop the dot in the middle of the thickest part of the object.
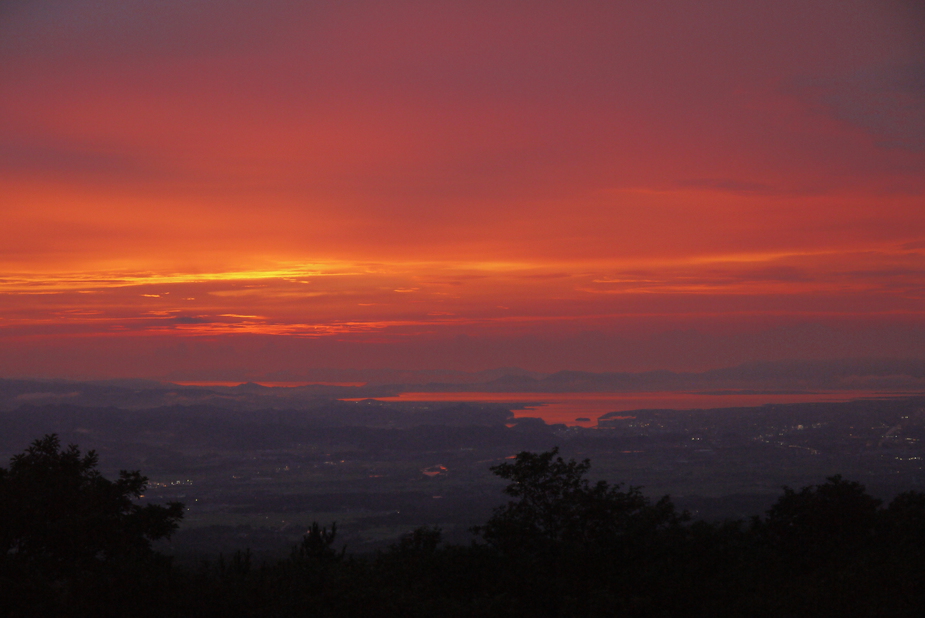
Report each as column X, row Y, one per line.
column 553, row 503
column 317, row 546
column 820, row 523
column 59, row 515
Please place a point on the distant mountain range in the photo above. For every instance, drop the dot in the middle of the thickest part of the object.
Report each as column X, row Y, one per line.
column 881, row 375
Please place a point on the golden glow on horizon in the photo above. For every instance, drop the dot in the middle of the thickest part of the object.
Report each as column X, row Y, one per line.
column 385, row 191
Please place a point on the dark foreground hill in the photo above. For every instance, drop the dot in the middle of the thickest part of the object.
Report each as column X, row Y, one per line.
column 560, row 546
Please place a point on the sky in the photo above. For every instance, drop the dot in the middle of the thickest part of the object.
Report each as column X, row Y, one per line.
column 238, row 189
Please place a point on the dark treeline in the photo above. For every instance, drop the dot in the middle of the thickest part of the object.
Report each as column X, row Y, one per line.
column 76, row 544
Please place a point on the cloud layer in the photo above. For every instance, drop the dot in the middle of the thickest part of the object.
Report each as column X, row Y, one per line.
column 418, row 184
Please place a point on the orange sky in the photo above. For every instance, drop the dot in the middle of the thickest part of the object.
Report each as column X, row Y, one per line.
column 216, row 190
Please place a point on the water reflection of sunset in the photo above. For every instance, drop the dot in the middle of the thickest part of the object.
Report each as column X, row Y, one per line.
column 565, row 408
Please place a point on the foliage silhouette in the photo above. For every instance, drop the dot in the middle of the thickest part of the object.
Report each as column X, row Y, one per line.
column 316, row 546
column 554, row 504
column 566, row 541
column 820, row 523
column 60, row 514
column 561, row 547
column 73, row 542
